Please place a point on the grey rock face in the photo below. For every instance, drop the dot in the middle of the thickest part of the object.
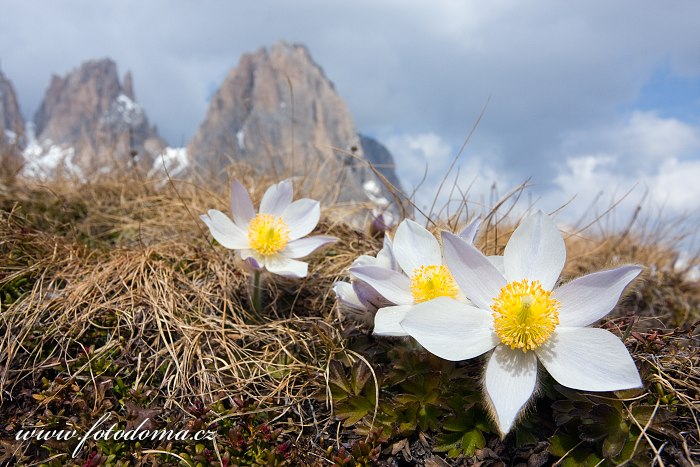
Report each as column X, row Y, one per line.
column 278, row 111
column 90, row 111
column 12, row 131
column 11, row 121
column 380, row 157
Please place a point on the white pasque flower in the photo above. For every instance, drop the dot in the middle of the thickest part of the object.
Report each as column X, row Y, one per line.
column 424, row 276
column 273, row 237
column 356, row 297
column 524, row 319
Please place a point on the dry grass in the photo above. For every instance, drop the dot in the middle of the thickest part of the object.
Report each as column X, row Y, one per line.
column 122, row 268
column 134, row 264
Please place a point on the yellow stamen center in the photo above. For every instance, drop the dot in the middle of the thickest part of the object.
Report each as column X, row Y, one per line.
column 525, row 314
column 268, row 234
column 428, row 282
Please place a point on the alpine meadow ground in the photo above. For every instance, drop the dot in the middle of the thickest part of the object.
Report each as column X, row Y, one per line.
column 114, row 298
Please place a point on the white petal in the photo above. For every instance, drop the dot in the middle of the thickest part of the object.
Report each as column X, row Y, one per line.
column 510, row 380
column 365, row 260
column 477, row 278
column 450, row 329
column 587, row 299
column 392, row 285
column 277, row 198
column 249, row 253
column 535, row 251
column 497, row 262
column 346, row 295
column 370, row 298
column 306, row 246
column 468, row 234
column 224, row 230
column 241, row 205
column 385, row 257
column 414, row 247
column 287, row 267
column 387, row 321
column 588, row 359
column 301, row 217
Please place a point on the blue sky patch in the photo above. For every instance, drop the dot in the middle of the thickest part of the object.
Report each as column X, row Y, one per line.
column 670, row 95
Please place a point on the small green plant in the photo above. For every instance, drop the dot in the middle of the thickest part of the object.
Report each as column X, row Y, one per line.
column 354, row 395
column 243, row 439
column 597, row 430
column 12, row 290
column 463, row 434
column 363, row 452
column 420, row 393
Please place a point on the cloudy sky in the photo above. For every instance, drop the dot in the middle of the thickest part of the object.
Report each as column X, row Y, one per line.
column 590, row 99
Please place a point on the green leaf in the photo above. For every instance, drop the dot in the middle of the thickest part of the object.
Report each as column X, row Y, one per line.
column 463, row 433
column 459, row 424
column 561, row 443
column 447, row 441
column 456, row 444
column 336, row 376
column 428, row 417
column 353, row 410
column 581, row 458
column 359, row 376
column 614, row 442
column 471, row 441
column 525, row 437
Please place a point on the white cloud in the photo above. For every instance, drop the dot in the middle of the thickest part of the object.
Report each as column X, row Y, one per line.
column 414, row 152
column 475, row 178
column 638, row 142
column 676, row 185
column 654, row 139
column 654, row 157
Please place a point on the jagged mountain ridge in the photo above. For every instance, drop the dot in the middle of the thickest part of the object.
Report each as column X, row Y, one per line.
column 277, row 109
column 92, row 119
column 12, row 131
column 273, row 97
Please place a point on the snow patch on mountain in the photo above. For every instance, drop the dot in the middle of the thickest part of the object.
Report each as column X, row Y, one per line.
column 10, row 136
column 172, row 161
column 45, row 160
column 129, row 110
column 374, row 193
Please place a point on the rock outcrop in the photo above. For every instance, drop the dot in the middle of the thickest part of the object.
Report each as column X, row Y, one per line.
column 93, row 121
column 11, row 121
column 12, row 133
column 278, row 111
column 380, row 157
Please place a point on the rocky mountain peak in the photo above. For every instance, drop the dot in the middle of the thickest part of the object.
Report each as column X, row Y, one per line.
column 129, row 86
column 277, row 109
column 11, row 121
column 94, row 119
column 73, row 101
column 12, row 131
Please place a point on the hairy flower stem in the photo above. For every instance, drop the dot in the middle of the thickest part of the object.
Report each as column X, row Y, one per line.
column 256, row 295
